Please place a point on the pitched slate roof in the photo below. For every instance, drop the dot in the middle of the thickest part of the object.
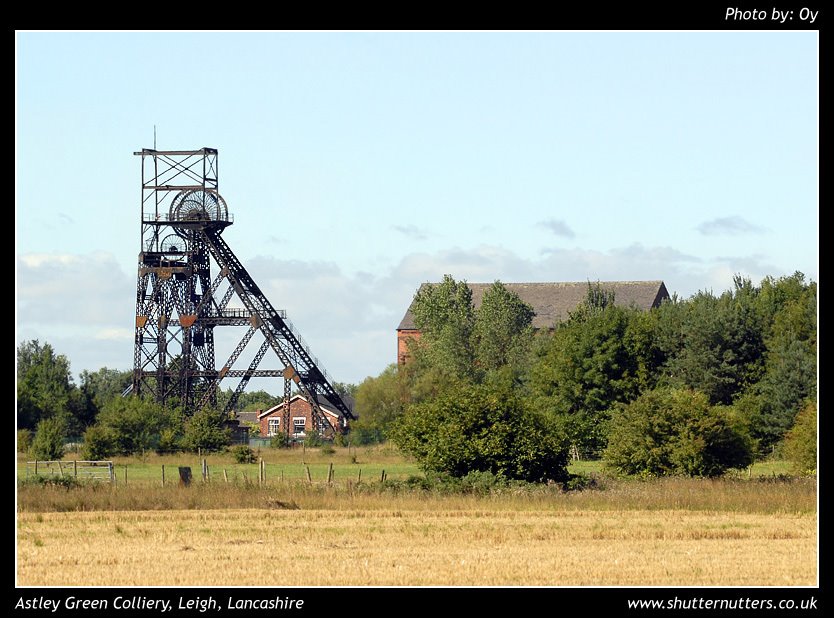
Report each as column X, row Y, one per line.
column 552, row 302
column 249, row 417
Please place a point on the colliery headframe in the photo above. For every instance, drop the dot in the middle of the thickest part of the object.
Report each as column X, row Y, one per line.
column 187, row 277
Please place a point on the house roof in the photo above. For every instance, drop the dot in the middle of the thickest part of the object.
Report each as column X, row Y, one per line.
column 249, row 417
column 552, row 302
column 324, row 404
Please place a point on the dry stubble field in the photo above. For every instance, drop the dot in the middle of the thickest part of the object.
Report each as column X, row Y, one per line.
column 677, row 532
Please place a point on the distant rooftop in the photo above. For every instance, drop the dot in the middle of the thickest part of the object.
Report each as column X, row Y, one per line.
column 552, row 302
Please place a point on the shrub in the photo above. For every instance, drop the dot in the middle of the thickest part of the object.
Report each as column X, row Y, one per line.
column 243, row 454
column 169, row 440
column 24, row 440
column 327, row 449
column 136, row 424
column 485, row 428
column 67, row 482
column 313, row 439
column 99, row 443
column 48, row 443
column 800, row 446
column 205, row 431
column 676, row 431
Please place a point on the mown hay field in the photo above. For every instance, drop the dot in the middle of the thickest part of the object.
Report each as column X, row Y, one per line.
column 671, row 532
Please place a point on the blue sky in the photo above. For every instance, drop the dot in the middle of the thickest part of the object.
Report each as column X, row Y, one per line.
column 361, row 164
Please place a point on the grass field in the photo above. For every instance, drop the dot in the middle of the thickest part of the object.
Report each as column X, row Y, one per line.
column 355, row 464
column 753, row 528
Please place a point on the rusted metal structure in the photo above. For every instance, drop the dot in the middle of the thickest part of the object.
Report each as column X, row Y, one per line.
column 187, row 277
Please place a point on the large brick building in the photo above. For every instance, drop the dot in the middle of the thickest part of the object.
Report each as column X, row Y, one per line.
column 551, row 302
column 301, row 422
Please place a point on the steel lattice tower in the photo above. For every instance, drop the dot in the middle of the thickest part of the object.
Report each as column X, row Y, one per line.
column 187, row 277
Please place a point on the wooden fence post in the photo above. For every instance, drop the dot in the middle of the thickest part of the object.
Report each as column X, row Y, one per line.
column 75, row 468
column 163, row 475
column 309, row 478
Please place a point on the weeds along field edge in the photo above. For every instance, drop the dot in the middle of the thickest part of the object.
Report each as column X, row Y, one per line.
column 755, row 495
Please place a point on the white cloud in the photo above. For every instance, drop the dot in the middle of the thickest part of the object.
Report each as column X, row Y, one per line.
column 36, row 260
column 411, row 231
column 115, row 334
column 558, row 227
column 84, row 304
column 728, row 226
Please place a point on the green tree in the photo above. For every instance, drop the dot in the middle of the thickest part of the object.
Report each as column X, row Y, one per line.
column 205, row 431
column 482, row 428
column 446, row 317
column 99, row 387
column 502, row 330
column 254, row 400
column 775, row 294
column 790, row 376
column 137, row 424
column 44, row 386
column 800, row 446
column 719, row 349
column 594, row 360
column 379, row 403
column 48, row 443
column 99, row 443
column 676, row 431
column 24, row 440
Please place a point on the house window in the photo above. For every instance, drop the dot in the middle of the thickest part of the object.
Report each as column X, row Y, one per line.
column 274, row 427
column 298, row 425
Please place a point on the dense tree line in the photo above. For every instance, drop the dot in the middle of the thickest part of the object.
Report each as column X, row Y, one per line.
column 694, row 386
column 52, row 409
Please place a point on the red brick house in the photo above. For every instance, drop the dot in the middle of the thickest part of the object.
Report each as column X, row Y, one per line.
column 301, row 422
column 551, row 302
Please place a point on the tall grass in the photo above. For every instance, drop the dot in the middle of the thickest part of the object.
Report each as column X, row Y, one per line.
column 781, row 495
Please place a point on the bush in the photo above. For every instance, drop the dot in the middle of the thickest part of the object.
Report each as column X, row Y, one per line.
column 205, row 431
column 484, row 428
column 313, row 439
column 24, row 440
column 676, row 431
column 137, row 424
column 48, row 443
column 800, row 446
column 99, row 443
column 169, row 440
column 363, row 436
column 243, row 454
column 66, row 482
